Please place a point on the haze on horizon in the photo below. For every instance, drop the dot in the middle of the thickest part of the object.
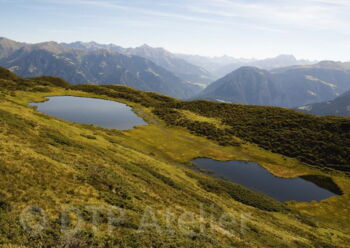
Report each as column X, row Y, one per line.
column 310, row 29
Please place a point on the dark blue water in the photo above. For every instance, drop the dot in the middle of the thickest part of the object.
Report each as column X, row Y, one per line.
column 255, row 177
column 103, row 113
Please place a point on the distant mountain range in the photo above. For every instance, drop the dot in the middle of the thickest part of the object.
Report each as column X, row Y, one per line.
column 280, row 81
column 181, row 68
column 100, row 66
column 340, row 106
column 212, row 64
column 194, row 69
column 221, row 66
column 246, row 85
column 287, row 87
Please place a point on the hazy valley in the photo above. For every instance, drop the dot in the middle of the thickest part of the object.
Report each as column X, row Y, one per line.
column 282, row 81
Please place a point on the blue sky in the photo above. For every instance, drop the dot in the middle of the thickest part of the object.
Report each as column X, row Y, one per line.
column 314, row 29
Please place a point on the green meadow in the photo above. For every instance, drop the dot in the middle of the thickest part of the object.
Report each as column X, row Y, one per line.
column 66, row 184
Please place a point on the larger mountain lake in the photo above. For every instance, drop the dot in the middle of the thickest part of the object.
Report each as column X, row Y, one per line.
column 103, row 113
column 257, row 178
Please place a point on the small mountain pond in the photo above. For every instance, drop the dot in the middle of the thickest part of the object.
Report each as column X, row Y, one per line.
column 103, row 113
column 257, row 178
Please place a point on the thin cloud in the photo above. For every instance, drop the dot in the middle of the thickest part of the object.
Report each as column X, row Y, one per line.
column 298, row 26
column 293, row 14
column 101, row 4
column 272, row 15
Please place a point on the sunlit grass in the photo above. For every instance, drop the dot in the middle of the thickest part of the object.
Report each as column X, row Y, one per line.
column 50, row 162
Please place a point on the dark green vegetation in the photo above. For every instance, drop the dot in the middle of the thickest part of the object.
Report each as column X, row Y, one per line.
column 239, row 193
column 324, row 182
column 47, row 164
column 209, row 130
column 6, row 74
column 279, row 130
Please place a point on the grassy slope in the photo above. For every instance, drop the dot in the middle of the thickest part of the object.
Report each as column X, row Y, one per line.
column 283, row 131
column 49, row 162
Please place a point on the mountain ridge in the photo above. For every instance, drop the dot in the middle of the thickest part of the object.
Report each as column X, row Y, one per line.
column 221, row 66
column 340, row 106
column 181, row 68
column 285, row 87
column 211, row 67
column 95, row 66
